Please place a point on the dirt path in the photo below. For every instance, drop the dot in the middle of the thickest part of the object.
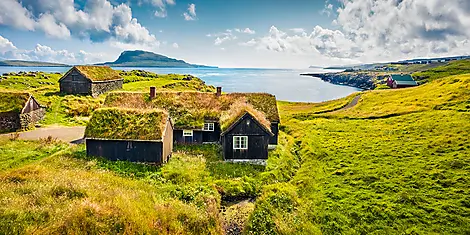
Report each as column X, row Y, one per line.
column 67, row 134
column 352, row 104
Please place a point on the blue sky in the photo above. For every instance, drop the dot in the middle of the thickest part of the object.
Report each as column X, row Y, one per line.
column 235, row 33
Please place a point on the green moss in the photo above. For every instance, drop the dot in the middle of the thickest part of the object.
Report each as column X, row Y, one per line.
column 237, row 110
column 189, row 110
column 13, row 101
column 133, row 124
column 98, row 73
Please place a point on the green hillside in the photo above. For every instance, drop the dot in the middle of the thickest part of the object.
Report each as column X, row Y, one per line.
column 451, row 68
column 24, row 63
column 149, row 59
column 396, row 163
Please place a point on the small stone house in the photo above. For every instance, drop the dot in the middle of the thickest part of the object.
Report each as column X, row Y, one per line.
column 90, row 80
column 245, row 124
column 19, row 111
column 136, row 135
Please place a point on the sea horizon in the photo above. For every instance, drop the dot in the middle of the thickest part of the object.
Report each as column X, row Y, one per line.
column 285, row 84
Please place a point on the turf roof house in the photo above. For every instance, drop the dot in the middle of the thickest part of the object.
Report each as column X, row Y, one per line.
column 90, row 80
column 244, row 123
column 19, row 111
column 401, row 81
column 136, row 135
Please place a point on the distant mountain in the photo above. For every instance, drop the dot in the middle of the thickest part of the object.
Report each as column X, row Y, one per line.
column 149, row 59
column 24, row 63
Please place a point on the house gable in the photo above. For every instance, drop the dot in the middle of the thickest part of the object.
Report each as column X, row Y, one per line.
column 31, row 105
column 74, row 75
column 247, row 125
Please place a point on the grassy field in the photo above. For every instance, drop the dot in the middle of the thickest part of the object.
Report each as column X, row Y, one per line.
column 452, row 68
column 396, row 163
column 71, row 110
column 67, row 192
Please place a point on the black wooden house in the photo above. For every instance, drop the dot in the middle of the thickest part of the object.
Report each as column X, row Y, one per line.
column 90, row 80
column 246, row 138
column 202, row 118
column 135, row 135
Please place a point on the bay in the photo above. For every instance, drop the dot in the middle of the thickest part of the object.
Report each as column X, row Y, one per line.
column 286, row 84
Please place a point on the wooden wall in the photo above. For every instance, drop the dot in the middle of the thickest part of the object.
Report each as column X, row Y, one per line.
column 134, row 151
column 258, row 140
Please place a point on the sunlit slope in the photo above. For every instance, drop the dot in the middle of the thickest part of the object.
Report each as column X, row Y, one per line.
column 397, row 163
column 446, row 93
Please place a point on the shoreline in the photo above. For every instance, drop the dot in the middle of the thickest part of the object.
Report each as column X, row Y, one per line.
column 356, row 80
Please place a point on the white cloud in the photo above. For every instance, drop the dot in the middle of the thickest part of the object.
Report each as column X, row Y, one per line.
column 6, row 45
column 252, row 42
column 161, row 7
column 297, row 30
column 228, row 35
column 175, row 45
column 14, row 14
column 219, row 40
column 46, row 53
column 380, row 30
column 248, row 31
column 191, row 14
column 98, row 21
column 48, row 24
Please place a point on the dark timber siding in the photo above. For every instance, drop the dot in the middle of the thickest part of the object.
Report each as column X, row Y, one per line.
column 75, row 83
column 134, row 151
column 212, row 136
column 180, row 139
column 275, row 131
column 258, row 140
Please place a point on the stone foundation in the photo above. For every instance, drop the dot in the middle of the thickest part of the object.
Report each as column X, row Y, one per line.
column 98, row 88
column 9, row 122
column 27, row 120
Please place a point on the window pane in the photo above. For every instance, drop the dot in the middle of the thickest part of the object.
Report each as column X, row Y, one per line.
column 244, row 142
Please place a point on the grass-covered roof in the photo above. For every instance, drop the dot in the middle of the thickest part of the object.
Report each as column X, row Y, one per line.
column 13, row 101
column 127, row 124
column 237, row 110
column 189, row 110
column 98, row 73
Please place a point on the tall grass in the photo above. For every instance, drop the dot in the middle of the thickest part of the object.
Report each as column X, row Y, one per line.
column 359, row 171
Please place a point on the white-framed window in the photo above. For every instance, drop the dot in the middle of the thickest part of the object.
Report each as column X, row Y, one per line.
column 187, row 132
column 240, row 142
column 208, row 126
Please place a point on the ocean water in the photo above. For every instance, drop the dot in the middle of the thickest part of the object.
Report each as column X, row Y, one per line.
column 286, row 84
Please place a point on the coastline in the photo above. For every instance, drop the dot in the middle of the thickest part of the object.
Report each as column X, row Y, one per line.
column 357, row 80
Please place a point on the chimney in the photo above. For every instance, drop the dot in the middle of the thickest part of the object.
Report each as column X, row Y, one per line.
column 152, row 92
column 219, row 91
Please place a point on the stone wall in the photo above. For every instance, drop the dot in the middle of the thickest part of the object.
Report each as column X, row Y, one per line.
column 98, row 88
column 28, row 120
column 9, row 122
